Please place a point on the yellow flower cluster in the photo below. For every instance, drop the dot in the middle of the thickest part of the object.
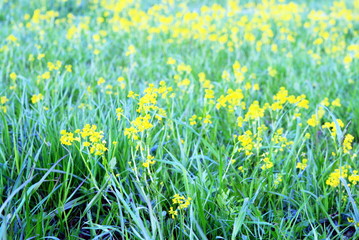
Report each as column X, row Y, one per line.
column 267, row 163
column 205, row 120
column 119, row 113
column 149, row 161
column 193, row 119
column 246, row 141
column 88, row 136
column 332, row 126
column 347, row 143
column 54, row 66
column 207, row 86
column 146, row 104
column 3, row 101
column 314, row 120
column 182, row 203
column 254, row 112
column 354, row 178
column 67, row 138
column 334, row 178
column 342, row 172
column 131, row 50
column 37, row 98
column 279, row 139
column 140, row 124
column 249, row 140
column 302, row 165
column 231, row 101
column 282, row 97
column 239, row 71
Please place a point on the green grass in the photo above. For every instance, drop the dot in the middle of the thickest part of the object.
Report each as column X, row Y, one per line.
column 49, row 190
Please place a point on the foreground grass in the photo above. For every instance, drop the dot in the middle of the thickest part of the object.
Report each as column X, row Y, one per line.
column 129, row 120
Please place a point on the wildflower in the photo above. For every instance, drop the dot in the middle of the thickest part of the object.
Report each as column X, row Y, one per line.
column 100, row 81
column 67, row 138
column 130, row 50
column 37, row 98
column 40, row 56
column 267, row 163
column 173, row 213
column 207, row 119
column 347, row 60
column 3, row 101
column 334, row 178
column 46, row 75
column 11, row 38
column 192, row 120
column 171, row 61
column 325, row 102
column 272, row 72
column 131, row 94
column 254, row 111
column 354, row 178
column 68, row 68
column 336, row 103
column 347, row 143
column 302, row 165
column 278, row 180
column 246, row 142
column 119, row 112
column 149, row 161
column 182, row 201
column 13, row 76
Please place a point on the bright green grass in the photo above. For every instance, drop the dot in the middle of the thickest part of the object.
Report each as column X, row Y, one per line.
column 51, row 190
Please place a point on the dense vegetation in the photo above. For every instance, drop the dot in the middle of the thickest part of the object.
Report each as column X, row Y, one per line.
column 179, row 120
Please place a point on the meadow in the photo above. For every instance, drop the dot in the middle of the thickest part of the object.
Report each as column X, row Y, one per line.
column 136, row 119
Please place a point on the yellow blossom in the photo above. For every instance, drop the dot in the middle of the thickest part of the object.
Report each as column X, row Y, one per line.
column 37, row 98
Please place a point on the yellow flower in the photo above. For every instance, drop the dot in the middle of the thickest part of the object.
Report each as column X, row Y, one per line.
column 149, row 161
column 68, row 68
column 13, row 76
column 336, row 103
column 272, row 72
column 347, row 60
column 254, row 111
column 131, row 94
column 334, row 178
column 11, row 38
column 130, row 50
column 173, row 213
column 192, row 120
column 119, row 112
column 3, row 99
column 325, row 102
column 171, row 61
column 100, row 81
column 347, row 143
column 67, row 138
column 207, row 119
column 302, row 165
column 354, row 178
column 40, row 56
column 37, row 98
column 267, row 163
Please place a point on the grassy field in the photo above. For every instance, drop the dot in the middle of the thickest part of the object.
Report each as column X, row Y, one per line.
column 179, row 119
